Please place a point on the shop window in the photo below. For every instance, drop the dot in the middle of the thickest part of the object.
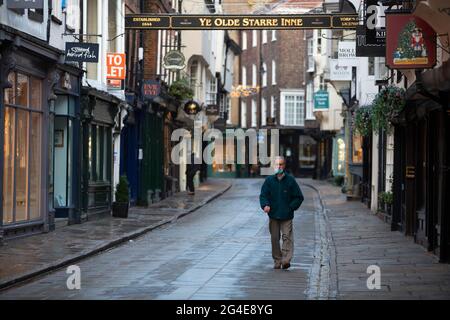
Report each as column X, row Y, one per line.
column 357, row 155
column 99, row 153
column 340, row 163
column 22, row 149
column 307, row 154
column 63, row 150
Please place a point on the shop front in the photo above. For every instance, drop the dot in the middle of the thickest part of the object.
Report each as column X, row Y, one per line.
column 99, row 111
column 32, row 87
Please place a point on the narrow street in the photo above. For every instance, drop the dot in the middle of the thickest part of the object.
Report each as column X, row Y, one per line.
column 222, row 251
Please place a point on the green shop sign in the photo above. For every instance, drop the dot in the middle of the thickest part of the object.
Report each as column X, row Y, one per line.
column 321, row 100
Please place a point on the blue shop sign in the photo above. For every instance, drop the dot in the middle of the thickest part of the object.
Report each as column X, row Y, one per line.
column 321, row 100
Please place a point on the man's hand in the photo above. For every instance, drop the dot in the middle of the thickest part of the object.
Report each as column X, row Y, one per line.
column 266, row 209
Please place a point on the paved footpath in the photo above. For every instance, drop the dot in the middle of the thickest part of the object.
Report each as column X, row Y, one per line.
column 27, row 257
column 358, row 239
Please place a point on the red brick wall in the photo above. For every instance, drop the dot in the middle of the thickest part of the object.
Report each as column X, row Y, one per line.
column 289, row 52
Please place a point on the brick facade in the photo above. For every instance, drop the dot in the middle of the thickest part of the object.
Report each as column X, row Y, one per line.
column 288, row 51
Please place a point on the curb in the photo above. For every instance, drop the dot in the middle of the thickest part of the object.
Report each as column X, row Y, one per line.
column 333, row 287
column 103, row 247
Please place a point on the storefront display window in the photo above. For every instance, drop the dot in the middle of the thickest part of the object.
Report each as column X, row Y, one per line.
column 22, row 149
column 307, row 155
column 357, row 152
column 63, row 150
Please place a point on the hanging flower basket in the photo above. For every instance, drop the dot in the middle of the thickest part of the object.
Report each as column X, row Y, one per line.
column 386, row 108
column 363, row 121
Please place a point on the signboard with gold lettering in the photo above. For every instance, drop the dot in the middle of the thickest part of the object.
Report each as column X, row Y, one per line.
column 136, row 21
column 239, row 22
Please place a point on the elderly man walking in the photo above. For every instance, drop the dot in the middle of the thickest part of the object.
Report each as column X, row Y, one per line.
column 280, row 197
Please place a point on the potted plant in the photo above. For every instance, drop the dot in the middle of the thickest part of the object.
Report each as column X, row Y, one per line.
column 388, row 200
column 363, row 121
column 181, row 90
column 121, row 205
column 386, row 107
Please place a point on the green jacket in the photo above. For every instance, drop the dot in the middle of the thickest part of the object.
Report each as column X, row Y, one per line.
column 282, row 196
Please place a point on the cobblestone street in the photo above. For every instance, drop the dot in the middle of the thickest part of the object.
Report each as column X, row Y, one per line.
column 222, row 251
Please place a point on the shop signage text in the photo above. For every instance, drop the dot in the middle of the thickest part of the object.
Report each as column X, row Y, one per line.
column 82, row 52
column 338, row 72
column 115, row 66
column 230, row 22
column 321, row 100
column 150, row 89
column 347, row 53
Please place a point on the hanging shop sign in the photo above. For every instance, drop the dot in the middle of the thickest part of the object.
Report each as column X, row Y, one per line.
column 174, row 60
column 411, row 42
column 321, row 100
column 25, row 4
column 367, row 48
column 239, row 22
column 82, row 52
column 150, row 89
column 212, row 110
column 115, row 66
column 338, row 72
column 347, row 53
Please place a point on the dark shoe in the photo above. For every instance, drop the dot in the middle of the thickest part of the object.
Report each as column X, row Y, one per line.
column 286, row 265
column 277, row 265
column 191, row 193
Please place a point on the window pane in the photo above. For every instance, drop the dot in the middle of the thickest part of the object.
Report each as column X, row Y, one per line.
column 61, row 162
column 61, row 105
column 69, row 162
column 36, row 94
column 357, row 149
column 35, row 166
column 21, row 165
column 22, row 90
column 90, row 147
column 9, row 93
column 99, row 153
column 105, row 154
column 8, row 166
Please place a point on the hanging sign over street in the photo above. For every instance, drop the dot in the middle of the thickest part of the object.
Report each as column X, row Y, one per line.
column 321, row 100
column 347, row 53
column 82, row 52
column 150, row 89
column 338, row 72
column 238, row 22
column 174, row 60
column 411, row 42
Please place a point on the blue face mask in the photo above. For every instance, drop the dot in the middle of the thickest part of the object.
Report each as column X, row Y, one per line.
column 279, row 171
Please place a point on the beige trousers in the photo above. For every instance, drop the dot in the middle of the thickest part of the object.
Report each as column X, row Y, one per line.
column 281, row 228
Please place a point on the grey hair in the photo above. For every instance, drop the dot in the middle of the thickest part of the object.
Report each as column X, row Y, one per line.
column 280, row 158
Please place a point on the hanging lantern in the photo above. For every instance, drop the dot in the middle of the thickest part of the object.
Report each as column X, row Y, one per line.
column 192, row 107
